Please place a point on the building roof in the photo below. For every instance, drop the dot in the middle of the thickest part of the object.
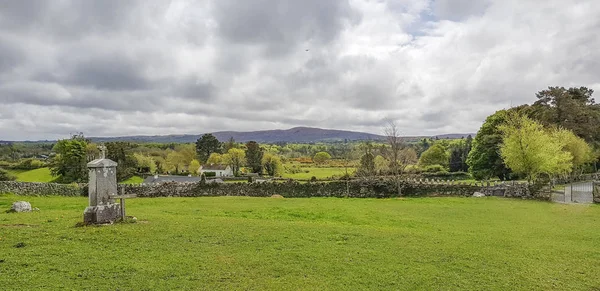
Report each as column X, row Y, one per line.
column 164, row 179
column 214, row 167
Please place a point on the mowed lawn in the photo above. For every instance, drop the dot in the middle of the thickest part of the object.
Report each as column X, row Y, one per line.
column 229, row 243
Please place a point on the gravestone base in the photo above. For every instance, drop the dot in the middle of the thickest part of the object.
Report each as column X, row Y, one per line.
column 102, row 214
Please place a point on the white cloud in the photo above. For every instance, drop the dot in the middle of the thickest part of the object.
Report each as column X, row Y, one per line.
column 197, row 66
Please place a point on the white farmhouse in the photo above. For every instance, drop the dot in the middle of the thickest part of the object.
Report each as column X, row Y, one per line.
column 219, row 170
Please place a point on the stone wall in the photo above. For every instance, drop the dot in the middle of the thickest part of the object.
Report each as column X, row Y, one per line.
column 42, row 189
column 596, row 192
column 359, row 189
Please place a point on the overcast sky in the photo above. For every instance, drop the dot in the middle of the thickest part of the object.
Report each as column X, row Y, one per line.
column 108, row 68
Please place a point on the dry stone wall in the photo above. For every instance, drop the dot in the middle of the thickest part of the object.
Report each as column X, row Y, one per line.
column 42, row 189
column 378, row 188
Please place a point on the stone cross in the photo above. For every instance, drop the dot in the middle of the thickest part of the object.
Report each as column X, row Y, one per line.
column 102, row 186
column 102, row 149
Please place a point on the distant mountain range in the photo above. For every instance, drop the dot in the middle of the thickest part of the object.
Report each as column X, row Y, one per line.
column 292, row 135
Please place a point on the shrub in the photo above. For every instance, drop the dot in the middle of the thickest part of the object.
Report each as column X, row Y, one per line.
column 210, row 174
column 412, row 169
column 433, row 169
column 29, row 164
column 6, row 176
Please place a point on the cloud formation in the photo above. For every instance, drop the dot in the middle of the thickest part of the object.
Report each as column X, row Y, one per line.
column 114, row 67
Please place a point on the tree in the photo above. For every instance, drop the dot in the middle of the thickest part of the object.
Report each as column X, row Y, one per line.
column 321, row 158
column 423, row 145
column 573, row 109
column 484, row 159
column 529, row 150
column 381, row 165
column 194, row 167
column 145, row 164
column 272, row 164
column 215, row 159
column 459, row 152
column 121, row 152
column 70, row 161
column 367, row 161
column 188, row 152
column 580, row 151
column 175, row 162
column 207, row 145
column 407, row 156
column 254, row 155
column 230, row 144
column 236, row 159
column 395, row 144
column 435, row 155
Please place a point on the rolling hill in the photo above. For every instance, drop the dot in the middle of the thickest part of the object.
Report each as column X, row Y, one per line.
column 296, row 134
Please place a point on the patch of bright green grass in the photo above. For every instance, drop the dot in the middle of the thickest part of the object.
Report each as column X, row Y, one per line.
column 134, row 180
column 38, row 175
column 241, row 243
column 319, row 173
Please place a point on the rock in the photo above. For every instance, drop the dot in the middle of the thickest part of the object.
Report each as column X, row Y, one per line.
column 478, row 194
column 21, row 206
column 276, row 196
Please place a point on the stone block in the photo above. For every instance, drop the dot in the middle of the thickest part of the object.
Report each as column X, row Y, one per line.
column 101, row 214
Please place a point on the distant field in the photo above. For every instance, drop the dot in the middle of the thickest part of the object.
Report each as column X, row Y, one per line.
column 319, row 173
column 134, row 180
column 37, row 175
column 242, row 243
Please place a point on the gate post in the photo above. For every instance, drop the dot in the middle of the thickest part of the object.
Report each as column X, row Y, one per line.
column 596, row 191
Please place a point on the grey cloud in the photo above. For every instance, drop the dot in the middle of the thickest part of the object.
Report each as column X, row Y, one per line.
column 280, row 26
column 162, row 67
column 10, row 56
column 457, row 10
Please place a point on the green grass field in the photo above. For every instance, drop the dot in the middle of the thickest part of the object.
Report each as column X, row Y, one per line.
column 134, row 180
column 319, row 173
column 37, row 175
column 225, row 243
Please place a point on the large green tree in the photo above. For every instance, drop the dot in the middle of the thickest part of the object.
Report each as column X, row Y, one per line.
column 435, row 155
column 573, row 109
column 272, row 164
column 207, row 145
column 122, row 153
column 254, row 155
column 235, row 158
column 527, row 148
column 70, row 161
column 484, row 159
column 321, row 157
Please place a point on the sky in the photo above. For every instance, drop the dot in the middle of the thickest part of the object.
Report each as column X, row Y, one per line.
column 115, row 68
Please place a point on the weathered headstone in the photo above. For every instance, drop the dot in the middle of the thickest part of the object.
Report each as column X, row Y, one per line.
column 102, row 184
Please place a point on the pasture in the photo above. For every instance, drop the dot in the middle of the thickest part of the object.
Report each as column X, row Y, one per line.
column 42, row 175
column 225, row 243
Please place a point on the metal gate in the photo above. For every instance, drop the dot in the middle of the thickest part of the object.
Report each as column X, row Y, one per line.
column 580, row 192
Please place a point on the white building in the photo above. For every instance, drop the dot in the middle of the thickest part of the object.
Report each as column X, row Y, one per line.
column 219, row 170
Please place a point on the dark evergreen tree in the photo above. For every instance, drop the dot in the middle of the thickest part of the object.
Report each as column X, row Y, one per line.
column 207, row 145
column 254, row 155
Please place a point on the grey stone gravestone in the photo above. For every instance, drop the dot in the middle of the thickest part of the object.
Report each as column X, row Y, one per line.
column 102, row 184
